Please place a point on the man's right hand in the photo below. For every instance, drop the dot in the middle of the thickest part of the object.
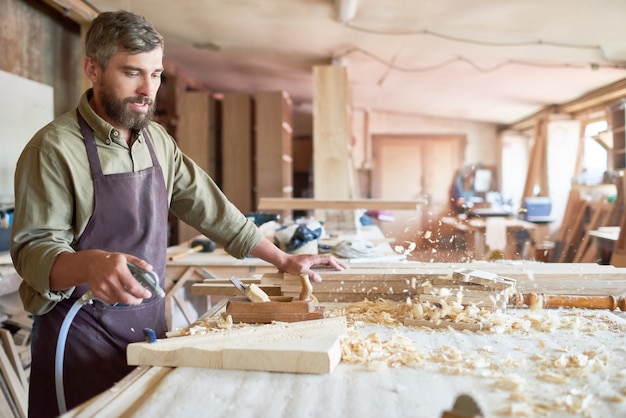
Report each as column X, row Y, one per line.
column 106, row 274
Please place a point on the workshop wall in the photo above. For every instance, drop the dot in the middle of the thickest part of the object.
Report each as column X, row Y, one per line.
column 481, row 148
column 43, row 46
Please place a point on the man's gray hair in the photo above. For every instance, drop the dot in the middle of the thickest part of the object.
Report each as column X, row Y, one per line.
column 121, row 31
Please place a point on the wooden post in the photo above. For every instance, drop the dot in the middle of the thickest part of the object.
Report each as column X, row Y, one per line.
column 333, row 169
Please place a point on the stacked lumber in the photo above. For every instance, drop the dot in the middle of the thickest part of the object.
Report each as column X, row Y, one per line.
column 401, row 280
column 398, row 281
column 573, row 242
column 469, row 287
column 355, row 284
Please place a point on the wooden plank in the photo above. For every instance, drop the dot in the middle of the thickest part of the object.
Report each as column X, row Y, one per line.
column 268, row 203
column 300, row 347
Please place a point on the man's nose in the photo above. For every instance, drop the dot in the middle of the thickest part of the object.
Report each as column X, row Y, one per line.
column 149, row 86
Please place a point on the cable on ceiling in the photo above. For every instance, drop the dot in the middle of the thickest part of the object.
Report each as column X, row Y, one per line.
column 538, row 42
column 391, row 65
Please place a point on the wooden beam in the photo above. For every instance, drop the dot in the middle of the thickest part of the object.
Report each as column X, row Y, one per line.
column 77, row 10
column 591, row 101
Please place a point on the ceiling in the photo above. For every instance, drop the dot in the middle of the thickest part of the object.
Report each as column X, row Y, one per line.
column 482, row 60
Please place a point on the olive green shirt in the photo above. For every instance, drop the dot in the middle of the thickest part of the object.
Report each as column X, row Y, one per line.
column 54, row 197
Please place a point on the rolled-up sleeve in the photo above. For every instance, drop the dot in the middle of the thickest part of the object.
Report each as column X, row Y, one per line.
column 42, row 226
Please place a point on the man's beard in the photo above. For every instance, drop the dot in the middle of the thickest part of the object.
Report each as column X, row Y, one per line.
column 117, row 110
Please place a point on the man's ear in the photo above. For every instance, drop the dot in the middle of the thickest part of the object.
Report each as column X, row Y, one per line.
column 92, row 69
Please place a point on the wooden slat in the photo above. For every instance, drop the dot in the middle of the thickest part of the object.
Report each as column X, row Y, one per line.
column 14, row 358
column 17, row 391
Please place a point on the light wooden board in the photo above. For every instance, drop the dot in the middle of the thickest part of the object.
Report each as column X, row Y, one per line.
column 267, row 203
column 300, row 347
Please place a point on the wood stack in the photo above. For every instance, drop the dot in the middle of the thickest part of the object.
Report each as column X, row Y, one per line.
column 355, row 284
column 465, row 286
column 573, row 242
column 13, row 380
column 401, row 280
column 469, row 287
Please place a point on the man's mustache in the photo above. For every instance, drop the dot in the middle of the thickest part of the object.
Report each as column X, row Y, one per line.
column 139, row 100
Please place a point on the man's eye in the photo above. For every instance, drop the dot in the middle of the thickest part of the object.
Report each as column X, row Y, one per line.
column 132, row 74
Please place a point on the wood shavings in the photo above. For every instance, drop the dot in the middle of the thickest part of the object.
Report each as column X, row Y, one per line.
column 510, row 383
column 392, row 352
column 207, row 325
column 379, row 311
column 563, row 369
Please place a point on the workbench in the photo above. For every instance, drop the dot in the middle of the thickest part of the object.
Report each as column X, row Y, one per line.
column 181, row 273
column 604, row 239
column 557, row 363
column 220, row 264
column 475, row 231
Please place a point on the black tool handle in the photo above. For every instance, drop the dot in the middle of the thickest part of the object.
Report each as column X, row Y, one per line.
column 148, row 279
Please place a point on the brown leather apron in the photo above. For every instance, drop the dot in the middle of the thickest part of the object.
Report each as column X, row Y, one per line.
column 130, row 216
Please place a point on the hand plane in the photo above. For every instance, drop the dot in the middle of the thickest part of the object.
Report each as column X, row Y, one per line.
column 257, row 307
